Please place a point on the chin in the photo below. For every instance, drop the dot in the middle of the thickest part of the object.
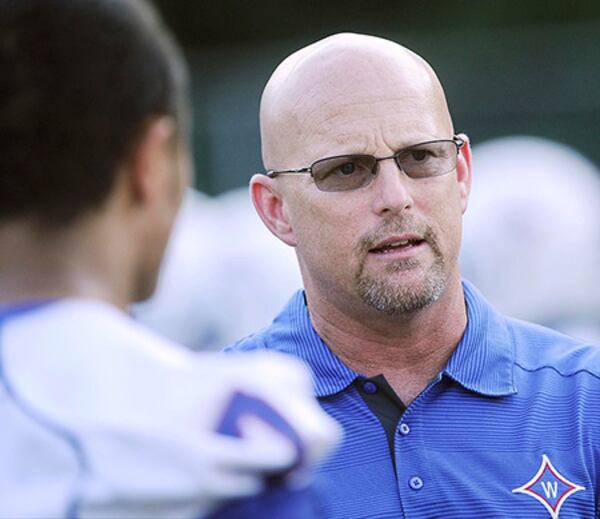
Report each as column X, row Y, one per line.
column 408, row 294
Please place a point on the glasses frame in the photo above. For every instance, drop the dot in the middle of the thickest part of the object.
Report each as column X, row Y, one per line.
column 459, row 142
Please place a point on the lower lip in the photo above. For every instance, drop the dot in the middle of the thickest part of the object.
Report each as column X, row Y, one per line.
column 397, row 253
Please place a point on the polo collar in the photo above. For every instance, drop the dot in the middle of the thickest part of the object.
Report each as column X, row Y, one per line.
column 482, row 362
column 293, row 333
column 484, row 359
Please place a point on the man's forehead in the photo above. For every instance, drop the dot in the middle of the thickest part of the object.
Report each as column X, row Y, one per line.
column 363, row 128
column 345, row 77
column 353, row 67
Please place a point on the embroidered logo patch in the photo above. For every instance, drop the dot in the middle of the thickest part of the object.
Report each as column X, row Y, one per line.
column 549, row 487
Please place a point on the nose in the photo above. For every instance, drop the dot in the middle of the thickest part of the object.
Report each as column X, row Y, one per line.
column 391, row 189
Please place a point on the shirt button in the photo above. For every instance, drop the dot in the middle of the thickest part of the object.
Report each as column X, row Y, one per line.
column 416, row 483
column 404, row 429
column 370, row 387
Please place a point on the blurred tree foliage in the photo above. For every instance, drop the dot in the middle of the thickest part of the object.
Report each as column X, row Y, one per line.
column 508, row 66
column 202, row 22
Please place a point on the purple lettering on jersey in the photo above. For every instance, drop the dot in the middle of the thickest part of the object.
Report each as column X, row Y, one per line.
column 242, row 404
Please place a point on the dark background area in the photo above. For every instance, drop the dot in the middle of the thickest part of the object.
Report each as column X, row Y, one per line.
column 508, row 67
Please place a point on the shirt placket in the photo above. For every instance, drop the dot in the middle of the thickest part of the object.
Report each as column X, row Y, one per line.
column 414, row 473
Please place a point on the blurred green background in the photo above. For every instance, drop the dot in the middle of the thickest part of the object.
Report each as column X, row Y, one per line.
column 508, row 66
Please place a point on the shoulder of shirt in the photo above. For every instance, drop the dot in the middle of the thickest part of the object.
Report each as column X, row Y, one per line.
column 279, row 335
column 253, row 342
column 99, row 324
column 274, row 338
column 102, row 351
column 538, row 347
column 84, row 371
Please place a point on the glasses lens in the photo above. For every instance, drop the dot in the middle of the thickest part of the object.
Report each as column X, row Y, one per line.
column 428, row 160
column 344, row 173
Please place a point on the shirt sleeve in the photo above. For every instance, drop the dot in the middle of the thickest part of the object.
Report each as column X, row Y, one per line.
column 157, row 431
column 250, row 455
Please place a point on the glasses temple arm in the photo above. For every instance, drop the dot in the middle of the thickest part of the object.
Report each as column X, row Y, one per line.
column 272, row 173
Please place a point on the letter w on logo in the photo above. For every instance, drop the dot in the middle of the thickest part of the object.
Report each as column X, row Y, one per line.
column 550, row 488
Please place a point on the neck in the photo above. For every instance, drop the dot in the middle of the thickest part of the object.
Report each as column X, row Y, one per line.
column 408, row 349
column 84, row 261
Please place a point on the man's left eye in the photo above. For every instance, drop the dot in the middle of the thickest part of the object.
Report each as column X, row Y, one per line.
column 419, row 155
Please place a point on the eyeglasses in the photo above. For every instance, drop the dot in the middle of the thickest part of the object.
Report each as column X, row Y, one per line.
column 347, row 172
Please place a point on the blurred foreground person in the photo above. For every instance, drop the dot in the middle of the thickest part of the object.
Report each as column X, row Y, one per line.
column 532, row 233
column 450, row 409
column 99, row 417
column 224, row 274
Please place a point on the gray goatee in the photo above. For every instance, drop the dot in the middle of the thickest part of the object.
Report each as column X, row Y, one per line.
column 386, row 295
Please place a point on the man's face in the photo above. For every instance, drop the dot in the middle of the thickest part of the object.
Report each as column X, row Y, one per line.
column 393, row 244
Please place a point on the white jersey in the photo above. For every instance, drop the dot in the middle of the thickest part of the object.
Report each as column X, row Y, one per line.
column 100, row 418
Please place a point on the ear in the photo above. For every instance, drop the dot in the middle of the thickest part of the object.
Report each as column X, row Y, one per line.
column 270, row 206
column 464, row 171
column 150, row 162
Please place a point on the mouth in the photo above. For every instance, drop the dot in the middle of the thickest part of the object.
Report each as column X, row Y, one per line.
column 394, row 245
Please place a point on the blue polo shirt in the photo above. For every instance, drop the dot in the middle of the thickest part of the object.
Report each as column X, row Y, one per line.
column 510, row 427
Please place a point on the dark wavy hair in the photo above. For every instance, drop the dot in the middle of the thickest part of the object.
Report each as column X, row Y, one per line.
column 79, row 81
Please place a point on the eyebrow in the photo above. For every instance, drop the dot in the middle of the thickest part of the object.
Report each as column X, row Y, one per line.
column 392, row 150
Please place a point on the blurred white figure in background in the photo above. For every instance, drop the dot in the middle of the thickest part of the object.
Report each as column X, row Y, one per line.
column 224, row 275
column 532, row 233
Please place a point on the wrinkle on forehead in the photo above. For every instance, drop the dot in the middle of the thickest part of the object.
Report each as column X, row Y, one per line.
column 315, row 88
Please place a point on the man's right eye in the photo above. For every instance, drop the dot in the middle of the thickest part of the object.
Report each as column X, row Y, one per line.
column 346, row 169
column 340, row 168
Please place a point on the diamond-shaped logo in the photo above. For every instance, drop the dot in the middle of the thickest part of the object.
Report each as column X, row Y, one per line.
column 549, row 487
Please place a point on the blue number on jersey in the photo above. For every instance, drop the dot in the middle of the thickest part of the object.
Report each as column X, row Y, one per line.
column 277, row 501
column 242, row 405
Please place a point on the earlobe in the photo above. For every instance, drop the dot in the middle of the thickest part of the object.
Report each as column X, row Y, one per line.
column 270, row 206
column 464, row 171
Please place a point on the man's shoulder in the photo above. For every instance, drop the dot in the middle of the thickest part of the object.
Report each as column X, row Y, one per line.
column 87, row 372
column 84, row 330
column 283, row 334
column 538, row 347
column 273, row 338
column 101, row 351
column 85, row 344
column 253, row 342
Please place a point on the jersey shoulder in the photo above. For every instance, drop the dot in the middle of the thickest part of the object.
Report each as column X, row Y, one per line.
column 143, row 415
column 122, row 369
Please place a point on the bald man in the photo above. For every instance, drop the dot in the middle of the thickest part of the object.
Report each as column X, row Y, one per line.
column 449, row 408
